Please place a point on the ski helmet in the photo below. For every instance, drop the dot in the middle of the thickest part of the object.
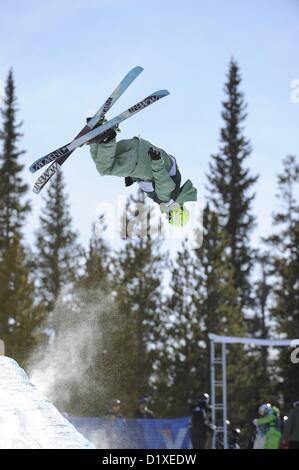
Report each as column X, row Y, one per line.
column 179, row 216
column 265, row 409
column 115, row 402
column 204, row 398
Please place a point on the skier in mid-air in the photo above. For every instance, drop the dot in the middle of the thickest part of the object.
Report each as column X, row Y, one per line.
column 155, row 171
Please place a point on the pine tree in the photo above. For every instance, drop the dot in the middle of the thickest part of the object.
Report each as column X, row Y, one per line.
column 58, row 253
column 184, row 355
column 258, row 325
column 285, row 271
column 218, row 306
column 83, row 347
column 230, row 185
column 219, row 312
column 139, row 271
column 13, row 208
column 98, row 258
column 20, row 315
column 203, row 300
column 96, row 296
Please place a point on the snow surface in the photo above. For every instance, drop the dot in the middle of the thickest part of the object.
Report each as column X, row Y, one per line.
column 27, row 419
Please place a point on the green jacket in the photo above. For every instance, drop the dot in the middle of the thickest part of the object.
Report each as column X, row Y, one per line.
column 270, row 420
column 291, row 426
column 160, row 179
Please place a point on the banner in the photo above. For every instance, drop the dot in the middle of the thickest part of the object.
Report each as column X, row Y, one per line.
column 134, row 433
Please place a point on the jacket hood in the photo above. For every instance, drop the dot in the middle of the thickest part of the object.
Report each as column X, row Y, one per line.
column 187, row 193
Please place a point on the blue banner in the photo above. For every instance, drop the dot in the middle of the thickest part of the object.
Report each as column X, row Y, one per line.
column 134, row 433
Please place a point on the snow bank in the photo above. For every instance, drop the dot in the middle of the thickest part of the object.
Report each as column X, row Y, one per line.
column 27, row 419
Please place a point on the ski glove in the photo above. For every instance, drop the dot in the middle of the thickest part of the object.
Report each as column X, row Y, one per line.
column 128, row 181
column 154, row 154
column 109, row 135
column 105, row 138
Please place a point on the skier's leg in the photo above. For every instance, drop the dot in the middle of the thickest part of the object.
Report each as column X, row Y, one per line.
column 272, row 439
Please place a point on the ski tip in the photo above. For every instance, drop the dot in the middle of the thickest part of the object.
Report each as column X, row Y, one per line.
column 135, row 72
column 32, row 168
column 161, row 93
column 137, row 69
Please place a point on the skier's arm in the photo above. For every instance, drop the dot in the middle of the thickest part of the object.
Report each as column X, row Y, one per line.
column 111, row 159
column 164, row 184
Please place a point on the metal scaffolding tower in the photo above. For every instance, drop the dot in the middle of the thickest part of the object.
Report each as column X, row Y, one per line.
column 218, row 365
column 219, row 384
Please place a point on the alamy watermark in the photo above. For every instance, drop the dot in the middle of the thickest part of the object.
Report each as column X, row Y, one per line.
column 143, row 220
column 294, row 96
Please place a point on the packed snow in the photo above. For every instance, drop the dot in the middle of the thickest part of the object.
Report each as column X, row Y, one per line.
column 27, row 419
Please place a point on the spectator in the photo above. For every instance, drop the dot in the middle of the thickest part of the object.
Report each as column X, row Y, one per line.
column 290, row 436
column 143, row 412
column 234, row 437
column 115, row 426
column 114, row 410
column 268, row 427
column 200, row 425
column 252, row 437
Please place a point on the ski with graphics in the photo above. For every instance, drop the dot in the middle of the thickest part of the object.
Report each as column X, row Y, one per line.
column 61, row 155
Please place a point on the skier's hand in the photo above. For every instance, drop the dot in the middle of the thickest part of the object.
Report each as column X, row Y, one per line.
column 109, row 135
column 105, row 138
column 154, row 154
column 128, row 181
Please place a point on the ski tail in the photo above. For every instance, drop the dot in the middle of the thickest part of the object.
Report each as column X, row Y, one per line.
column 63, row 152
column 117, row 93
column 45, row 177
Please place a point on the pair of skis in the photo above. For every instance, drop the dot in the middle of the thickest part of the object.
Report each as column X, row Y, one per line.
column 89, row 131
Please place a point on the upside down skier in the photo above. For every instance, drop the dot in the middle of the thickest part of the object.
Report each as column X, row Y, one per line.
column 155, row 171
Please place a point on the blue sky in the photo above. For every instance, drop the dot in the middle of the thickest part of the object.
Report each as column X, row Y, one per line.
column 68, row 56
